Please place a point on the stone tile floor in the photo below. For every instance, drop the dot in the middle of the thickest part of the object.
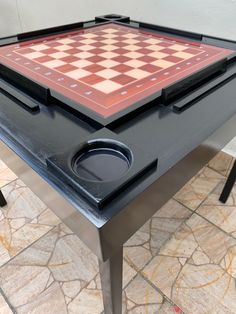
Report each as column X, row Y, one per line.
column 183, row 260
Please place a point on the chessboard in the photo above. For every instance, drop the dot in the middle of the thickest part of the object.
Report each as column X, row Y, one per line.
column 107, row 68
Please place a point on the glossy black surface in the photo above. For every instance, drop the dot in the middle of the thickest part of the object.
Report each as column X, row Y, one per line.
column 158, row 131
column 101, row 165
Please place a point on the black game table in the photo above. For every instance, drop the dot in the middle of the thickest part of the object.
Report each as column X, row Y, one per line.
column 106, row 119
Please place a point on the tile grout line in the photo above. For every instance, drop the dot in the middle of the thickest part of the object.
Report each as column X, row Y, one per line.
column 7, row 301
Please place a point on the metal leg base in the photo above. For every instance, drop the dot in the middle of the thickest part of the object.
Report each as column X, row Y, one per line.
column 2, row 200
column 111, row 279
column 229, row 184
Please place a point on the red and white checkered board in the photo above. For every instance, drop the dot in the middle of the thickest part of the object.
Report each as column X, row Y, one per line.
column 107, row 68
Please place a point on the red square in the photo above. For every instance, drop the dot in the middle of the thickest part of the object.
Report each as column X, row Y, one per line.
column 94, row 68
column 123, row 79
column 69, row 59
column 192, row 51
column 150, row 68
column 144, row 51
column 147, row 59
column 50, row 51
column 73, row 51
column 66, row 68
column 165, row 44
column 53, row 44
column 92, row 79
column 96, row 59
column 120, row 51
column 121, row 59
column 43, row 59
column 173, row 59
column 121, row 44
column 169, row 51
column 97, row 51
column 122, row 68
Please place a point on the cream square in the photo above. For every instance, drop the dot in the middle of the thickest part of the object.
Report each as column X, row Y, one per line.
column 84, row 55
column 59, row 55
column 81, row 63
column 155, row 47
column 109, row 41
column 77, row 74
column 89, row 35
column 110, row 30
column 162, row 63
column 39, row 47
column 109, row 36
column 109, row 55
column 108, row 73
column 109, row 47
column 152, row 41
column 34, row 55
column 88, row 41
column 178, row 47
column 63, row 47
column 86, row 47
column 132, row 47
column 107, row 86
column 65, row 41
column 137, row 74
column 108, row 63
column 130, row 35
column 183, row 55
column 130, row 41
column 135, row 63
column 133, row 54
column 54, row 64
column 158, row 54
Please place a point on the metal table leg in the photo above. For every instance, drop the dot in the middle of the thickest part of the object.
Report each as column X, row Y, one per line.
column 229, row 184
column 111, row 280
column 2, row 200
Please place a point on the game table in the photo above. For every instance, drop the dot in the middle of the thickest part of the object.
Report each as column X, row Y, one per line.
column 107, row 119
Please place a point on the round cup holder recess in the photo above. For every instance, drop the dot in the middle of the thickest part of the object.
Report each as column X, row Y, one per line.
column 112, row 16
column 102, row 160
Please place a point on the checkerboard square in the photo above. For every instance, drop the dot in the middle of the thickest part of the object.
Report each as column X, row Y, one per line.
column 59, row 55
column 108, row 63
column 34, row 55
column 65, row 41
column 109, row 55
column 107, row 86
column 81, row 63
column 158, row 55
column 39, row 47
column 91, row 79
column 132, row 47
column 84, row 55
column 77, row 74
column 133, row 55
column 122, row 68
column 162, row 63
column 54, row 64
column 108, row 73
column 63, row 47
column 123, row 79
column 183, row 55
column 137, row 74
column 93, row 68
column 66, row 68
column 135, row 63
column 150, row 68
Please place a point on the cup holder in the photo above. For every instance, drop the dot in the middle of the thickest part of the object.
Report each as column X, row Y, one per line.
column 102, row 160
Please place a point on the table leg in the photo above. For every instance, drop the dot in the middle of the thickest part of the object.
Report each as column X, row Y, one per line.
column 229, row 184
column 2, row 200
column 111, row 280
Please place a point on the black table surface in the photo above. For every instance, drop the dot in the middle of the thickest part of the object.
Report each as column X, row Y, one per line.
column 162, row 132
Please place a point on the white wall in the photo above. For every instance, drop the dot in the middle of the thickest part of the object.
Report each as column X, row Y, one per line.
column 214, row 17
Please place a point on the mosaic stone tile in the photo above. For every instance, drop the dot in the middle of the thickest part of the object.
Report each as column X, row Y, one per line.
column 195, row 269
column 35, row 280
column 6, row 175
column 4, row 307
column 222, row 215
column 222, row 163
column 23, row 221
column 197, row 189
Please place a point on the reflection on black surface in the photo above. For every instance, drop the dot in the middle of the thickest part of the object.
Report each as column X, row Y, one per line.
column 101, row 165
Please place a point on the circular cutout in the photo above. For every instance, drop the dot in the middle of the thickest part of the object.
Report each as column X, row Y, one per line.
column 102, row 161
column 113, row 16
